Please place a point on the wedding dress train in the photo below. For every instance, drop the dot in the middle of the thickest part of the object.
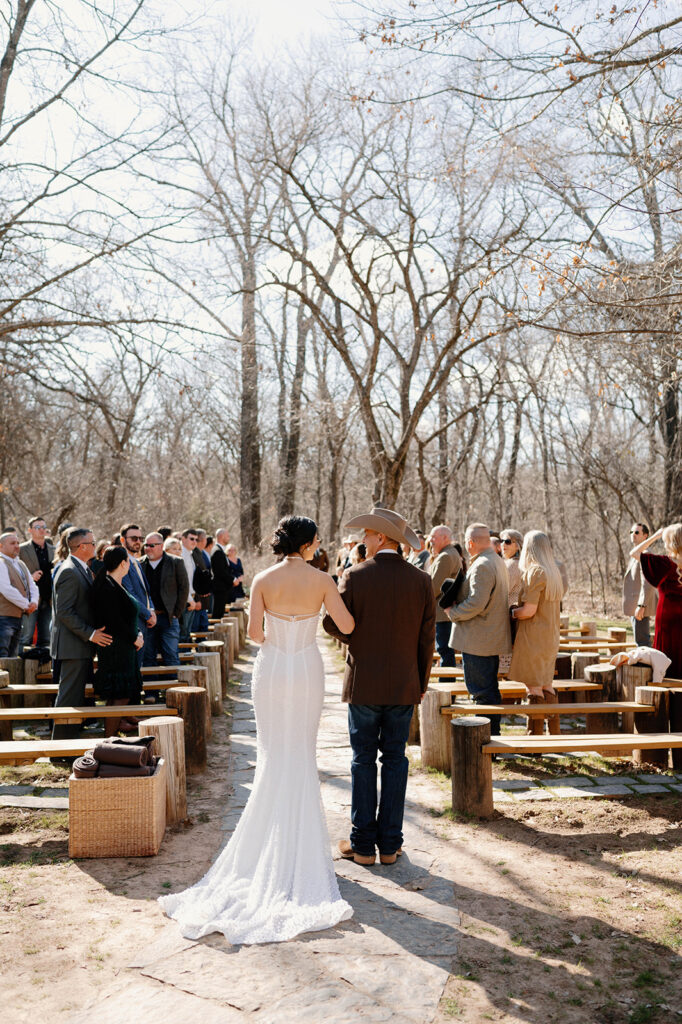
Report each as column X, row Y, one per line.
column 275, row 878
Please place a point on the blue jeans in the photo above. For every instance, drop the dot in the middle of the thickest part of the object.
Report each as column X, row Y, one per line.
column 447, row 655
column 374, row 728
column 10, row 629
column 186, row 620
column 480, row 678
column 199, row 621
column 162, row 639
column 642, row 631
column 43, row 616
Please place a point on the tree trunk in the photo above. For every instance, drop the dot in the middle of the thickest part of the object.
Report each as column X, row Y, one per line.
column 249, row 465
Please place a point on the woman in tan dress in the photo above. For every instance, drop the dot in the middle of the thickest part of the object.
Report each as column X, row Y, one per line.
column 512, row 542
column 537, row 636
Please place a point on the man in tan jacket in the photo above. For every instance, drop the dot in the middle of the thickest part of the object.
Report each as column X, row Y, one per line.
column 639, row 597
column 481, row 629
column 445, row 563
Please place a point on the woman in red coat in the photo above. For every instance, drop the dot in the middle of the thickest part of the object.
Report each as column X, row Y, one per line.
column 665, row 573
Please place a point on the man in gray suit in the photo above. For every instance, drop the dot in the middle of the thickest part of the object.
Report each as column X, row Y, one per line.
column 73, row 629
column 639, row 597
column 481, row 629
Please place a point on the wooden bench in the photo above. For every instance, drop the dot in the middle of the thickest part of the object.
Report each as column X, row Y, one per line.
column 18, row 752
column 473, row 748
column 151, row 670
column 596, row 708
column 77, row 714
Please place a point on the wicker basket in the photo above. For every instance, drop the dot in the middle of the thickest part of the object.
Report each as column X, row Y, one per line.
column 117, row 817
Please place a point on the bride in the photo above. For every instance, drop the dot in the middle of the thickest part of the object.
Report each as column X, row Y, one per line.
column 275, row 878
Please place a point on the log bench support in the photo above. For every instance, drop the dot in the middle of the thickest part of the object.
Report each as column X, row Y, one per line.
column 170, row 745
column 472, row 769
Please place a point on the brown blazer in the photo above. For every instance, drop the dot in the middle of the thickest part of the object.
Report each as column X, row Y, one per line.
column 390, row 651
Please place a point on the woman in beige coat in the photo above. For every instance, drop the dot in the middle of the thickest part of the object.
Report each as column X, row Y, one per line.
column 537, row 636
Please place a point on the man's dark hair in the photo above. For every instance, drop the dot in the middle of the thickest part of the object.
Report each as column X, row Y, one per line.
column 165, row 531
column 35, row 519
column 644, row 528
column 75, row 536
column 209, row 539
column 129, row 526
column 190, row 530
column 63, row 526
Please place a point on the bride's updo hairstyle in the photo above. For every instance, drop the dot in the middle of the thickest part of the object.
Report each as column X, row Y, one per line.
column 291, row 534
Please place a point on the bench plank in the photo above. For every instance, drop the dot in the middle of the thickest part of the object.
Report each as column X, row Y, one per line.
column 99, row 711
column 567, row 744
column 52, row 688
column 544, row 709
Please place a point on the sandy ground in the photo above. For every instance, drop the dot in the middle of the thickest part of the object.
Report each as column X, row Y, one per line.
column 571, row 910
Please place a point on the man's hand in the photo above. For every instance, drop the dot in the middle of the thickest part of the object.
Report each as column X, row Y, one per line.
column 639, row 614
column 101, row 638
column 192, row 606
column 37, row 575
column 151, row 621
column 31, row 608
column 139, row 642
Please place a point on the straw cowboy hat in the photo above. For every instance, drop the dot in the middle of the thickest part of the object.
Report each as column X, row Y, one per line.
column 388, row 522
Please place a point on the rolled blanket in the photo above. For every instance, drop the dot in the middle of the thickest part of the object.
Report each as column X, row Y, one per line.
column 85, row 767
column 122, row 754
column 133, row 741
column 122, row 771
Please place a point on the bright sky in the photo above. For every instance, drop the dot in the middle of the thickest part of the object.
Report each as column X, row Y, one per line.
column 286, row 20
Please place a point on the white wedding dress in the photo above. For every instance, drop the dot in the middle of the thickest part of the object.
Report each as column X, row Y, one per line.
column 275, row 878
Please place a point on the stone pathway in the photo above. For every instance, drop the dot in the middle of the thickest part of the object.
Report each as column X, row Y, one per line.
column 581, row 786
column 389, row 963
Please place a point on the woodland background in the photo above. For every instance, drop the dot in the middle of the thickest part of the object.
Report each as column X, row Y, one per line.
column 431, row 257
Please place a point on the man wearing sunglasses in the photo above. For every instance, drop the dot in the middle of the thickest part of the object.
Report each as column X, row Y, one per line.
column 639, row 597
column 135, row 582
column 169, row 589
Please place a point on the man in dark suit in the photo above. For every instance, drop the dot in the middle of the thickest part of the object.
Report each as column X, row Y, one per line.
column 390, row 654
column 38, row 554
column 73, row 630
column 169, row 588
column 223, row 577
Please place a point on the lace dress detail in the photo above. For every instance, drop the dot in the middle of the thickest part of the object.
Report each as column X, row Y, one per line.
column 275, row 878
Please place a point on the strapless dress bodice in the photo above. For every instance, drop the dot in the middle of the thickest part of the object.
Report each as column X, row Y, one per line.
column 290, row 634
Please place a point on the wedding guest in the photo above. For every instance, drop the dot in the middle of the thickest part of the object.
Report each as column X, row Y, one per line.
column 445, row 564
column 203, row 584
column 665, row 573
column 19, row 594
column 358, row 554
column 537, row 634
column 237, row 572
column 37, row 555
column 100, row 547
column 166, row 532
column 496, row 543
column 320, row 560
column 169, row 589
column 118, row 679
column 62, row 549
column 419, row 556
column 511, row 541
column 135, row 581
column 460, row 551
column 639, row 596
column 189, row 542
column 210, row 545
column 74, row 628
column 481, row 629
column 343, row 555
column 172, row 546
column 223, row 577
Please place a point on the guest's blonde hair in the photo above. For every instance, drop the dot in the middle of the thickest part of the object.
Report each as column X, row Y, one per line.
column 672, row 538
column 537, row 550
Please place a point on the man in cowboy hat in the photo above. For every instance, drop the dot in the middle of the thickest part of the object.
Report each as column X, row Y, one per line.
column 390, row 653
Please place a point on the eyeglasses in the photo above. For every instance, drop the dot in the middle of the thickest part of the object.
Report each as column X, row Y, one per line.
column 36, row 527
column 633, row 533
column 133, row 536
column 152, row 544
column 507, row 540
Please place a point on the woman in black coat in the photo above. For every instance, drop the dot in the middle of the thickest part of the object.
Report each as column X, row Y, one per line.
column 118, row 679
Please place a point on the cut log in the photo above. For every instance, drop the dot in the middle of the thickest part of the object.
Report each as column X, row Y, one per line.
column 197, row 675
column 5, row 702
column 675, row 704
column 562, row 666
column 618, row 634
column 15, row 668
column 656, row 721
column 434, row 728
column 192, row 705
column 629, row 678
column 234, row 622
column 215, row 691
column 217, row 647
column 221, row 631
column 472, row 770
column 564, row 621
column 170, row 745
column 588, row 629
column 606, row 675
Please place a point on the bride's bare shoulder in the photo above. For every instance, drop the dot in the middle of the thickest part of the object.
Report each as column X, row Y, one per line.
column 263, row 575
